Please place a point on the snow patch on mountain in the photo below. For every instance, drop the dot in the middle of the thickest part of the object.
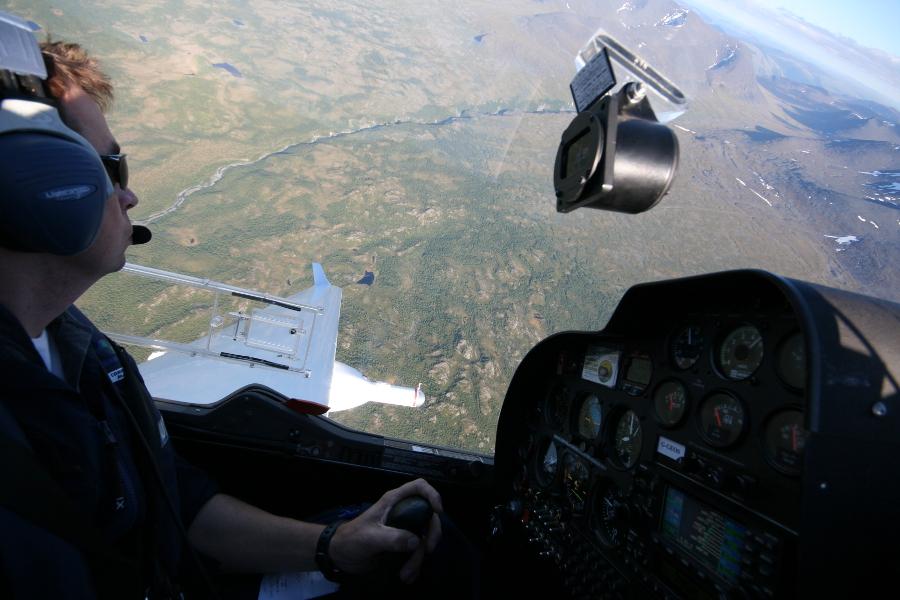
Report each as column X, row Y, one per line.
column 724, row 57
column 843, row 241
column 675, row 19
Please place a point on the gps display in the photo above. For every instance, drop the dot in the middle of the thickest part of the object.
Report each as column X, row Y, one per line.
column 707, row 535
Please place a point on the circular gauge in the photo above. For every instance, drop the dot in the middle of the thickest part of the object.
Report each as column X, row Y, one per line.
column 784, row 439
column 575, row 477
column 556, row 407
column 687, row 346
column 670, row 402
column 590, row 417
column 741, row 353
column 546, row 463
column 721, row 419
column 609, row 515
column 628, row 439
column 791, row 362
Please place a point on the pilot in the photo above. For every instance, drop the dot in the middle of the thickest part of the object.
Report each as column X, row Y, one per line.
column 95, row 502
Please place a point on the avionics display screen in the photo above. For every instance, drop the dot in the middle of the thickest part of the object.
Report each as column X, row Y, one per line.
column 707, row 535
column 639, row 371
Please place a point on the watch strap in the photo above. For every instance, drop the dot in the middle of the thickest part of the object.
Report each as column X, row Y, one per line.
column 323, row 558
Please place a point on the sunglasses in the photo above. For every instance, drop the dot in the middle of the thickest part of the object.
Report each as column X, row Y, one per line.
column 116, row 168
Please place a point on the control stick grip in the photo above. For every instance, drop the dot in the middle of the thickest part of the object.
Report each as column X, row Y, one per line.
column 412, row 513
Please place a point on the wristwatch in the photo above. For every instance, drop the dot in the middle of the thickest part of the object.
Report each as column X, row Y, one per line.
column 323, row 559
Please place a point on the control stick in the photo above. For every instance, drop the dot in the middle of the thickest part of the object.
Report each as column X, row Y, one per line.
column 413, row 514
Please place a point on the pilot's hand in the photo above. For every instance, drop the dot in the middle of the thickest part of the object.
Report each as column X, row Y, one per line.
column 357, row 544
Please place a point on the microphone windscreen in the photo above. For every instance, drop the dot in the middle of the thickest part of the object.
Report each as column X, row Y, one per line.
column 140, row 234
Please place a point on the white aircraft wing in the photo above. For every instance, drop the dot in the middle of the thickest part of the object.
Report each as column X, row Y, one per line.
column 350, row 388
column 288, row 345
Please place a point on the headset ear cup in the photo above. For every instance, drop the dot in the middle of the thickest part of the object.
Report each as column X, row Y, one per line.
column 54, row 193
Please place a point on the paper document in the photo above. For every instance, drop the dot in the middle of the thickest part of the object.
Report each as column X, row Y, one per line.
column 292, row 586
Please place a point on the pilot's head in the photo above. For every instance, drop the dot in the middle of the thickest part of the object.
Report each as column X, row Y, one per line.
column 84, row 94
column 69, row 66
column 78, row 228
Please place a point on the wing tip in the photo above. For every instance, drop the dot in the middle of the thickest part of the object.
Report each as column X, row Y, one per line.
column 418, row 397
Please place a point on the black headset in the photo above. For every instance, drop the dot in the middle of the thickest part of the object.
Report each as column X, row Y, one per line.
column 53, row 186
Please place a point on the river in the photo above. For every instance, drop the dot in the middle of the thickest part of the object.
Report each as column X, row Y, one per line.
column 184, row 194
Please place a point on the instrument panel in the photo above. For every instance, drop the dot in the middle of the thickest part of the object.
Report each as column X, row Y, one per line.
column 727, row 393
column 666, row 451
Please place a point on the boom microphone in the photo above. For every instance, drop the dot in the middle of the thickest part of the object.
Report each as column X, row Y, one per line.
column 140, row 235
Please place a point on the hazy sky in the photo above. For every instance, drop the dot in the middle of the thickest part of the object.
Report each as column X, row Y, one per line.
column 872, row 23
column 820, row 41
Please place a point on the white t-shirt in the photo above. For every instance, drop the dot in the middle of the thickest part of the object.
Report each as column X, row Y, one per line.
column 47, row 349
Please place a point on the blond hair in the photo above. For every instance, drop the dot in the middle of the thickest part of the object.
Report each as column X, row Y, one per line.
column 68, row 66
